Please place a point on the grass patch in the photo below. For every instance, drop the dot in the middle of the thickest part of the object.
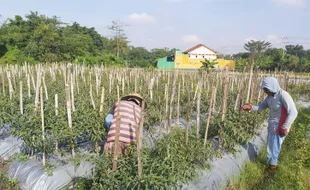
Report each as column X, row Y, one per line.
column 294, row 166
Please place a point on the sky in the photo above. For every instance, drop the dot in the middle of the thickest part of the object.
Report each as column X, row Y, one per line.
column 223, row 25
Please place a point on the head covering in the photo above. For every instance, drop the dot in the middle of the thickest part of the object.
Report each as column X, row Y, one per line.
column 271, row 84
column 135, row 96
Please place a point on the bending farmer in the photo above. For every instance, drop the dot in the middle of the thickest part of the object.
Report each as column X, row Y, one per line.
column 129, row 109
column 283, row 112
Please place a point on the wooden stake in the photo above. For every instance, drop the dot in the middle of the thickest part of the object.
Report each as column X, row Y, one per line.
column 72, row 91
column 171, row 99
column 43, row 128
column 116, row 143
column 21, row 97
column 139, row 141
column 178, row 106
column 102, row 100
column 209, row 115
column 69, row 115
column 249, row 85
column 198, row 108
column 28, row 85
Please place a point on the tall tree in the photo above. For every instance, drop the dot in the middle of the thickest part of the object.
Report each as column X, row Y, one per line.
column 256, row 48
column 297, row 50
column 119, row 37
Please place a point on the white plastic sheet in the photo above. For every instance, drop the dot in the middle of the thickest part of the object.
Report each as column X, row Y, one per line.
column 9, row 145
column 31, row 175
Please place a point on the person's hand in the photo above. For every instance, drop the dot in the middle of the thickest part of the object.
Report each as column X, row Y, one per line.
column 282, row 132
column 247, row 107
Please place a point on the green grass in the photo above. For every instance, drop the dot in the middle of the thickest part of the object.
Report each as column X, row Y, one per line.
column 294, row 163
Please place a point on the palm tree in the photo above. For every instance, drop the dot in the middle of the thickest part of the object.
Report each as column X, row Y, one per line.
column 256, row 47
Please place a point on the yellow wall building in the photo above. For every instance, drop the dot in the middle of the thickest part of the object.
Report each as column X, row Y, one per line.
column 182, row 61
column 193, row 58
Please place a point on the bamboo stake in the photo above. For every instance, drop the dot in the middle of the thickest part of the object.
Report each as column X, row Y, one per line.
column 198, row 109
column 171, row 100
column 56, row 113
column 116, row 143
column 21, row 97
column 178, row 106
column 167, row 101
column 224, row 107
column 10, row 85
column 43, row 128
column 45, row 88
column 28, row 85
column 36, row 101
column 91, row 97
column 209, row 115
column 72, row 91
column 249, row 85
column 188, row 117
column 102, row 100
column 139, row 141
column 69, row 115
column 3, row 83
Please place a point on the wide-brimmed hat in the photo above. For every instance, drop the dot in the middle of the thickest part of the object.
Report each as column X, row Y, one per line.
column 135, row 96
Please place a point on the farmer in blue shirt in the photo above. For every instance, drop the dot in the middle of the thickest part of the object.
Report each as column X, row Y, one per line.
column 283, row 112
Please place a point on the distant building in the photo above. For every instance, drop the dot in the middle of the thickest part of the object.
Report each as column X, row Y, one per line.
column 193, row 58
column 201, row 51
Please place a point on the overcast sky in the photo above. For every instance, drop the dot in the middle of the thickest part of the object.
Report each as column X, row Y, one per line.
column 223, row 25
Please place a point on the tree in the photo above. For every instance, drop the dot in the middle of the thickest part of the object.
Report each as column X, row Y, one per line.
column 256, row 48
column 297, row 50
column 208, row 64
column 119, row 37
column 138, row 57
column 241, row 55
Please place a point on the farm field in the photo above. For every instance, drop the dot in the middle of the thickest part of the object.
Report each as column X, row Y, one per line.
column 55, row 108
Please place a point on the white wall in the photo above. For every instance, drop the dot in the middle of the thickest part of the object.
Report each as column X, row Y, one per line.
column 200, row 56
column 202, row 53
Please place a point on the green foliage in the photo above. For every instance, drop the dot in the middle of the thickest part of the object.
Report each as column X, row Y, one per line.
column 170, row 163
column 38, row 38
column 293, row 171
column 208, row 64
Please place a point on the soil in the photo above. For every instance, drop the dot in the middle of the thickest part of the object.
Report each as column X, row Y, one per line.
column 4, row 181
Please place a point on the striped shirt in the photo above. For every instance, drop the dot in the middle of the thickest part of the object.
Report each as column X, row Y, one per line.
column 130, row 115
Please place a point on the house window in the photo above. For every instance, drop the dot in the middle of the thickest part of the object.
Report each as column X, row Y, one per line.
column 203, row 56
column 196, row 56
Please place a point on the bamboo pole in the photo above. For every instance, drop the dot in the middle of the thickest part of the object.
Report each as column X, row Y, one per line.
column 28, row 85
column 3, row 82
column 21, row 97
column 188, row 117
column 10, row 85
column 36, row 101
column 139, row 141
column 72, row 91
column 178, row 104
column 209, row 115
column 43, row 128
column 224, row 107
column 45, row 88
column 249, row 85
column 69, row 115
column 167, row 103
column 198, row 109
column 56, row 113
column 171, row 100
column 102, row 100
column 116, row 143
